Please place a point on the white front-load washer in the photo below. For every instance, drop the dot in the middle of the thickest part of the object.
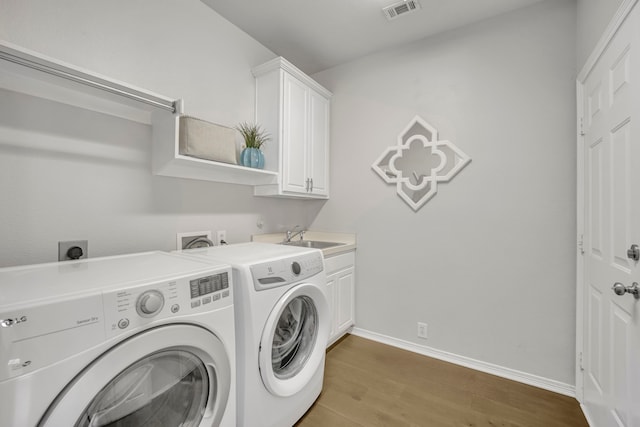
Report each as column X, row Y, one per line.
column 282, row 328
column 138, row 340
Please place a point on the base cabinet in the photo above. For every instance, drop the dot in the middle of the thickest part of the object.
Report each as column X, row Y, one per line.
column 340, row 270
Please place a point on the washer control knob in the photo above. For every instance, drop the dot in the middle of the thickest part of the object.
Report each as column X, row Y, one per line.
column 150, row 303
column 295, row 267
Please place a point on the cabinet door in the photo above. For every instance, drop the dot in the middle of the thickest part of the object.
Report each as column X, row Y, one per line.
column 318, row 160
column 344, row 310
column 331, row 296
column 294, row 135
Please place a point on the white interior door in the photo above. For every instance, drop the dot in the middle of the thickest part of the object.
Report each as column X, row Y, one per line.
column 611, row 154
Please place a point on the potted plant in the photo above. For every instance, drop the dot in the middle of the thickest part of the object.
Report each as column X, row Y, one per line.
column 254, row 137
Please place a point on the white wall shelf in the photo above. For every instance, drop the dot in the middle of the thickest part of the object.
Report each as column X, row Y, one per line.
column 168, row 162
column 31, row 73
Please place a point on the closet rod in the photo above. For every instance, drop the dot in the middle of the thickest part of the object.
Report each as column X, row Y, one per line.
column 85, row 79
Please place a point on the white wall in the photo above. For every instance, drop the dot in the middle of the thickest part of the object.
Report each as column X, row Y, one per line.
column 489, row 262
column 593, row 18
column 68, row 174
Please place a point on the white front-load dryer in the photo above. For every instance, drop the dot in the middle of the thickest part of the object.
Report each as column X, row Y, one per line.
column 282, row 328
column 137, row 340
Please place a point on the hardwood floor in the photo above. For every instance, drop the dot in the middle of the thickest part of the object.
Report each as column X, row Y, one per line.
column 372, row 384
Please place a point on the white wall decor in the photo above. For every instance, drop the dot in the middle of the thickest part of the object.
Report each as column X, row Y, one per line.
column 419, row 162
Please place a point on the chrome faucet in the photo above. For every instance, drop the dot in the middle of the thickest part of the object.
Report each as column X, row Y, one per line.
column 290, row 234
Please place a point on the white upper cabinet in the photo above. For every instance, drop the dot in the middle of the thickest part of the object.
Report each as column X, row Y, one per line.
column 294, row 110
column 319, row 144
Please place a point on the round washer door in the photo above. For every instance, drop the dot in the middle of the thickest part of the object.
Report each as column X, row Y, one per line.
column 164, row 377
column 294, row 340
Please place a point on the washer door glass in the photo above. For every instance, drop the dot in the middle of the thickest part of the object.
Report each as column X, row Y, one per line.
column 294, row 337
column 168, row 388
column 292, row 346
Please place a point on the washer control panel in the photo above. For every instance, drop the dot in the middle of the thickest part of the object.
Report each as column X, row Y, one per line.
column 280, row 272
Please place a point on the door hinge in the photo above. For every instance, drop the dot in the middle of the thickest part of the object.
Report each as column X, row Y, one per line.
column 581, row 244
column 582, row 133
column 580, row 362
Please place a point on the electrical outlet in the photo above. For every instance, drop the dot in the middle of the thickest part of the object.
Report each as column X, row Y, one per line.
column 423, row 329
column 221, row 237
column 184, row 239
column 73, row 249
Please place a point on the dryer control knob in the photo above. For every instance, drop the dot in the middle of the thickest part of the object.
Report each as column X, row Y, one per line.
column 150, row 303
column 295, row 267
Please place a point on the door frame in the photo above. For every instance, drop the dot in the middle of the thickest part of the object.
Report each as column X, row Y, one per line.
column 615, row 23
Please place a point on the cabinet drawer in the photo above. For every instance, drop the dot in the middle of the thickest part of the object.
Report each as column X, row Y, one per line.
column 339, row 262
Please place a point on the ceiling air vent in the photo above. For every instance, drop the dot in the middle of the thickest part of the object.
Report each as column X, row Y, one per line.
column 401, row 8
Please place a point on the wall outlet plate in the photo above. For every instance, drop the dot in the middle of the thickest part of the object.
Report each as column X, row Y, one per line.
column 183, row 239
column 423, row 330
column 64, row 246
column 221, row 236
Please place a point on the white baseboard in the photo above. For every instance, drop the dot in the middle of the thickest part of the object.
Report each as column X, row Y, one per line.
column 501, row 371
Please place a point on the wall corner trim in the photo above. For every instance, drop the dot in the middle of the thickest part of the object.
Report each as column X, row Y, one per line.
column 501, row 371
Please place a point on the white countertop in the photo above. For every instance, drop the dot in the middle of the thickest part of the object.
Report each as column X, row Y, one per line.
column 347, row 241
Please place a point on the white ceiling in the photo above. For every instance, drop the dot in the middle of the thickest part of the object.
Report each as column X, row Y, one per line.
column 320, row 34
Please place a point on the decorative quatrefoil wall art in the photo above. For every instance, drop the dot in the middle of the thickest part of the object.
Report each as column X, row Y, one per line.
column 419, row 162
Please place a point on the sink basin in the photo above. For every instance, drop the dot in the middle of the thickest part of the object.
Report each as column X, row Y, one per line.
column 315, row 244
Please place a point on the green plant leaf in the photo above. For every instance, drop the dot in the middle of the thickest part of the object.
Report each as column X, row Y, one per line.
column 254, row 136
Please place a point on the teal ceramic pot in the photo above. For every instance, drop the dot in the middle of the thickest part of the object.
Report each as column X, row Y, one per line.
column 252, row 158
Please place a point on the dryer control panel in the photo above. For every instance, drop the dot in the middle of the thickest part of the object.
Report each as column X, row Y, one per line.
column 37, row 336
column 271, row 274
column 136, row 306
column 56, row 311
